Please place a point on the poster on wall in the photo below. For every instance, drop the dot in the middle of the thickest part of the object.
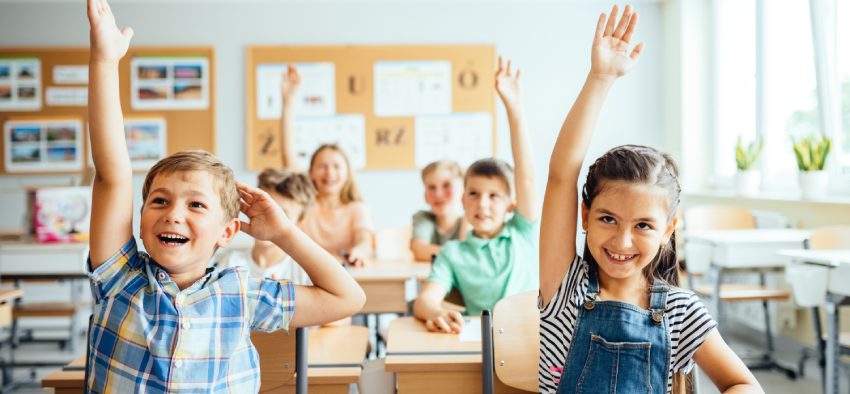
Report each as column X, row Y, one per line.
column 347, row 131
column 146, row 141
column 20, row 84
column 61, row 214
column 173, row 83
column 411, row 88
column 462, row 137
column 43, row 145
column 315, row 97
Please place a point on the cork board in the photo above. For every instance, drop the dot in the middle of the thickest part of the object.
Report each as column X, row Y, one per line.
column 186, row 128
column 390, row 140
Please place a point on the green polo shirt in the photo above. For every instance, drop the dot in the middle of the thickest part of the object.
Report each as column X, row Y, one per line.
column 487, row 270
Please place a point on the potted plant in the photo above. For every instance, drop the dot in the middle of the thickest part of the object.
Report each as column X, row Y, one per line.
column 811, row 153
column 748, row 178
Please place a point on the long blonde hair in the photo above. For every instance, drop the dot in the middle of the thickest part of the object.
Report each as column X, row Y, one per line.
column 349, row 193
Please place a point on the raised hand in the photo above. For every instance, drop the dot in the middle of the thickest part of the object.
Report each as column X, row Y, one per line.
column 108, row 43
column 289, row 83
column 507, row 84
column 610, row 55
column 266, row 217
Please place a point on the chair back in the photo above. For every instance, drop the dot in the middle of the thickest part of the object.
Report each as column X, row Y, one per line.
column 393, row 243
column 516, row 341
column 277, row 359
column 830, row 237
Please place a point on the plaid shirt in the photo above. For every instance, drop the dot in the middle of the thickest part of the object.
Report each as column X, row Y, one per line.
column 147, row 336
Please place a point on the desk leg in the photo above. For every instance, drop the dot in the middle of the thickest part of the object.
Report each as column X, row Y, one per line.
column 832, row 321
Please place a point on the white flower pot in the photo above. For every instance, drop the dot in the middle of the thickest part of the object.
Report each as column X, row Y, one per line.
column 814, row 184
column 747, row 183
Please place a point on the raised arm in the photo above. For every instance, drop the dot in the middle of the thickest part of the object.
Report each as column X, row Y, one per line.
column 610, row 59
column 334, row 294
column 290, row 81
column 507, row 85
column 112, row 190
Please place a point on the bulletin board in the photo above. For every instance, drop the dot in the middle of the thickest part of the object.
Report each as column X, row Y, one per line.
column 62, row 95
column 411, row 104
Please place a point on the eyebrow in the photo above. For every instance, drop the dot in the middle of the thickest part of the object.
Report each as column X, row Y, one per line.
column 191, row 193
column 609, row 213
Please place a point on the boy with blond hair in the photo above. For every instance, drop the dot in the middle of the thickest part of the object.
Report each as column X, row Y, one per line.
column 498, row 258
column 163, row 321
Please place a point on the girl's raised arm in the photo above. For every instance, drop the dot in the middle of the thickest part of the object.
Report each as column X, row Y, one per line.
column 610, row 59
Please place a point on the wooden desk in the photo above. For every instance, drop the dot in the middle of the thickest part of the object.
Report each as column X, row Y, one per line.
column 385, row 284
column 335, row 356
column 427, row 362
column 838, row 292
column 29, row 258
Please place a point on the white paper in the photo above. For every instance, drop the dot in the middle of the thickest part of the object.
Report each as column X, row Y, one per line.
column 146, row 141
column 347, row 131
column 61, row 96
column 53, row 145
column 175, row 83
column 20, row 84
column 471, row 331
column 410, row 88
column 315, row 97
column 71, row 75
column 463, row 137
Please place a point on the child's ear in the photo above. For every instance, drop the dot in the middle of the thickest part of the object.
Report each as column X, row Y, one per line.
column 584, row 218
column 229, row 233
column 671, row 227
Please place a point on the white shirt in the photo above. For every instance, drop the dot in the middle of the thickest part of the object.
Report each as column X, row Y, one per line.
column 286, row 268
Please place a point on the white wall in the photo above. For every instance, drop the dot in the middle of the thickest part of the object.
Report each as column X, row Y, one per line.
column 549, row 40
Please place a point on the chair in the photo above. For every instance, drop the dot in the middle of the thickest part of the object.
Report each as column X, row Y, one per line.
column 698, row 261
column 279, row 352
column 511, row 335
column 393, row 243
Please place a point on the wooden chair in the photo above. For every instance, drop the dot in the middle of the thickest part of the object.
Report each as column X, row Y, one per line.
column 283, row 357
column 698, row 261
column 510, row 340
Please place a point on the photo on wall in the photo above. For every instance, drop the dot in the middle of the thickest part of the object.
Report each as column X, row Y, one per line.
column 169, row 83
column 43, row 145
column 146, row 141
column 20, row 84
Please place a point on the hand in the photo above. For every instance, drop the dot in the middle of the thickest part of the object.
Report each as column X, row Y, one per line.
column 610, row 55
column 449, row 322
column 356, row 257
column 507, row 85
column 108, row 44
column 289, row 83
column 266, row 217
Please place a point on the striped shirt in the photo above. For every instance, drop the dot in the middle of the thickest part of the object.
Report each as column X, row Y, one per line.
column 688, row 321
column 148, row 336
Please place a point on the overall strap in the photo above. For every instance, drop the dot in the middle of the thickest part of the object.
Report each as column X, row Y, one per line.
column 592, row 287
column 658, row 300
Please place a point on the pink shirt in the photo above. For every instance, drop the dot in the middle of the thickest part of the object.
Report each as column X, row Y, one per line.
column 333, row 229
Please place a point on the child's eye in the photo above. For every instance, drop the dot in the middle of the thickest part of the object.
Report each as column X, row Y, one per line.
column 158, row 201
column 607, row 220
column 644, row 226
column 195, row 204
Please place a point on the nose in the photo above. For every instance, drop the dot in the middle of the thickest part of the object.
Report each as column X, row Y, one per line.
column 624, row 238
column 174, row 214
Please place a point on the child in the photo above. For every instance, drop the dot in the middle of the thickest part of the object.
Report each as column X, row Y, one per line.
column 294, row 192
column 497, row 258
column 163, row 321
column 610, row 319
column 443, row 181
column 339, row 220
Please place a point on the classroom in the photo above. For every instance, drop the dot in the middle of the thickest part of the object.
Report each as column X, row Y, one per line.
column 424, row 196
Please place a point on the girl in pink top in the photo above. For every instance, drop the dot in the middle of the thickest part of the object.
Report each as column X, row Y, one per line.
column 339, row 221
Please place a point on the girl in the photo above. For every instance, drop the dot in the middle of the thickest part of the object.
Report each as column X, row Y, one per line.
column 443, row 181
column 339, row 221
column 611, row 319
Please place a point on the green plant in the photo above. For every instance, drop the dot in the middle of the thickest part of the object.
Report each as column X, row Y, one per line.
column 812, row 151
column 747, row 156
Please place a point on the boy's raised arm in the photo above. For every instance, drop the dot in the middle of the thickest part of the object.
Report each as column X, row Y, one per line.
column 290, row 81
column 507, row 85
column 610, row 59
column 112, row 191
column 334, row 294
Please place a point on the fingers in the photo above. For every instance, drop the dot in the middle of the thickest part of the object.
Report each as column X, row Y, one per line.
column 508, row 71
column 93, row 10
column 600, row 29
column 630, row 31
column 636, row 52
column 518, row 72
column 624, row 22
column 245, row 227
column 609, row 27
column 456, row 321
column 127, row 32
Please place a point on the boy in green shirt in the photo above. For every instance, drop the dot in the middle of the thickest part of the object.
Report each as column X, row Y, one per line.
column 498, row 258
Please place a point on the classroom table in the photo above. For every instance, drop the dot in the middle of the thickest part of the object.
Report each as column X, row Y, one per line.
column 7, row 297
column 429, row 362
column 385, row 283
column 335, row 357
column 838, row 291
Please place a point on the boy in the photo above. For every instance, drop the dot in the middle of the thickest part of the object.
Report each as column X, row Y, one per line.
column 497, row 258
column 163, row 321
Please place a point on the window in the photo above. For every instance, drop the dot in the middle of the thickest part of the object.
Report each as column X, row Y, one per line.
column 842, row 143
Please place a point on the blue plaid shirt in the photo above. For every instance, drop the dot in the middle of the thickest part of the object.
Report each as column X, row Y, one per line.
column 147, row 336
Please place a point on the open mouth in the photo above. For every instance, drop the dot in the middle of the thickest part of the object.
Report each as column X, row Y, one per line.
column 171, row 239
column 618, row 258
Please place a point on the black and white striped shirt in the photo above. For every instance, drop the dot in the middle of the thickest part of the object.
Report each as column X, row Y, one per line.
column 689, row 325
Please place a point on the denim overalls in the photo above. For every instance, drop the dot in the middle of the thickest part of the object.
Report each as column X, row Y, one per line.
column 618, row 347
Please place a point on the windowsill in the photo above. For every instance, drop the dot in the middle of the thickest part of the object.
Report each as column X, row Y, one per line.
column 765, row 196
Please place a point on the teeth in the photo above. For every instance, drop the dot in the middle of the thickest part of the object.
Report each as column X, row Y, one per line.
column 620, row 257
column 173, row 238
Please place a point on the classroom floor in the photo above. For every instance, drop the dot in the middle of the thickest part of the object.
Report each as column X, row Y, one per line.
column 772, row 382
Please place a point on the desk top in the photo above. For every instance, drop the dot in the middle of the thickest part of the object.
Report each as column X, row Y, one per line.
column 832, row 257
column 411, row 347
column 335, row 357
column 390, row 271
column 9, row 294
column 749, row 236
